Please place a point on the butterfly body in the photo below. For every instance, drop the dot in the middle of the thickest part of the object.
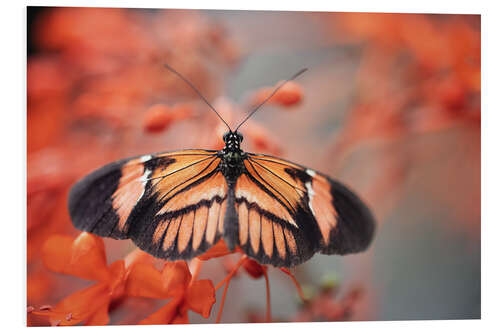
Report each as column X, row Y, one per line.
column 232, row 157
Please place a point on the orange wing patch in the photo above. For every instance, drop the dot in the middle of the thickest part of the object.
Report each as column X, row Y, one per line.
column 168, row 170
column 199, row 219
column 243, row 219
column 279, row 240
column 187, row 232
column 247, row 190
column 213, row 219
column 254, row 230
column 214, row 186
column 321, row 205
column 129, row 191
column 188, row 194
column 171, row 234
column 262, row 235
column 274, row 177
column 267, row 236
column 199, row 227
column 271, row 170
column 171, row 179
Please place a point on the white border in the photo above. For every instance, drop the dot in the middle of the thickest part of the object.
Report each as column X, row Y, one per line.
column 13, row 193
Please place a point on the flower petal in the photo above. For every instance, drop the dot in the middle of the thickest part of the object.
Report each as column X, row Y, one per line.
column 144, row 280
column 253, row 268
column 89, row 254
column 218, row 250
column 39, row 285
column 181, row 318
column 56, row 253
column 157, row 118
column 100, row 317
column 201, row 297
column 165, row 315
column 175, row 276
column 83, row 257
column 79, row 306
column 290, row 94
column 138, row 256
column 118, row 278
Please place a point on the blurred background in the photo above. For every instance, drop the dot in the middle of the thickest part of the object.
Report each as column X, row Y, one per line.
column 390, row 106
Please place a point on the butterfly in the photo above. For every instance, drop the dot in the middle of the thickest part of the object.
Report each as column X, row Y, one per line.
column 176, row 205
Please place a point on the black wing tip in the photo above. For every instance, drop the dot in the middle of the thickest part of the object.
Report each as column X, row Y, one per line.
column 356, row 226
column 88, row 198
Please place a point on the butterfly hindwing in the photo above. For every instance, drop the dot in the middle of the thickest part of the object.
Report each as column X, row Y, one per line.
column 171, row 205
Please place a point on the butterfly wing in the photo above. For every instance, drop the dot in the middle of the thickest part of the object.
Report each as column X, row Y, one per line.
column 171, row 205
column 287, row 212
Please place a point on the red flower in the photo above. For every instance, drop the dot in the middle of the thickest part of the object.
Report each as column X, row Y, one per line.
column 218, row 250
column 135, row 276
column 289, row 95
column 83, row 257
column 176, row 282
column 159, row 117
column 254, row 269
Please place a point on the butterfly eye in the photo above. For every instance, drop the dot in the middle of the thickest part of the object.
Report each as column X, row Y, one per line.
column 240, row 137
column 225, row 136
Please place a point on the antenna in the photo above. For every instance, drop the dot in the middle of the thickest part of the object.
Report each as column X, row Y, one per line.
column 271, row 95
column 197, row 91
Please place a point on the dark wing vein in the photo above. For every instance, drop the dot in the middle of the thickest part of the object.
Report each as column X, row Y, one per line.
column 185, row 167
column 284, row 180
column 155, row 156
column 131, row 181
column 166, row 194
column 265, row 181
column 258, row 157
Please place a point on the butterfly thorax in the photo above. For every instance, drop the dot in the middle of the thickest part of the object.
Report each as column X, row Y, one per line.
column 232, row 156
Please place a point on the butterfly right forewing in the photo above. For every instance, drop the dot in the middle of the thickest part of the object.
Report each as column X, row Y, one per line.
column 288, row 212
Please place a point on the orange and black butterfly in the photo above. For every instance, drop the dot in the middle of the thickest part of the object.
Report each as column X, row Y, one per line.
column 176, row 205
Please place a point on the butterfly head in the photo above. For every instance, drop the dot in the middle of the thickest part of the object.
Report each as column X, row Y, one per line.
column 232, row 140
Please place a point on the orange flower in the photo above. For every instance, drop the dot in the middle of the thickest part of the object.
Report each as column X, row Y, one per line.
column 176, row 282
column 39, row 285
column 254, row 269
column 218, row 250
column 159, row 116
column 289, row 95
column 83, row 257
